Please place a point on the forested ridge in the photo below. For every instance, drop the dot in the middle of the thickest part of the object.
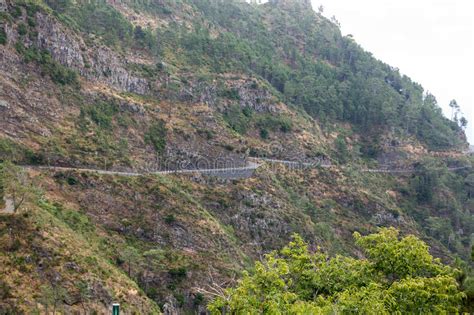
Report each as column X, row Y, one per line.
column 299, row 52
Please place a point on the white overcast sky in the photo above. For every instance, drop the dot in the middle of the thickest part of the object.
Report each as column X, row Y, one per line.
column 430, row 41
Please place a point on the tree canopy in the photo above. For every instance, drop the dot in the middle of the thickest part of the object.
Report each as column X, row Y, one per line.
column 398, row 275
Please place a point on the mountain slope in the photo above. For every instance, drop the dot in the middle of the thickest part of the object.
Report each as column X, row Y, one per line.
column 196, row 84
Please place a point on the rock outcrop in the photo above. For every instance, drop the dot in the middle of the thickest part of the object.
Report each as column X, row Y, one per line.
column 95, row 63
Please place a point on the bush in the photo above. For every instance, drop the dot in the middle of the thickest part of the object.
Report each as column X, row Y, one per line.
column 156, row 136
column 274, row 123
column 238, row 119
column 170, row 219
column 5, row 291
column 62, row 75
column 232, row 94
column 74, row 219
column 341, row 149
column 3, row 36
column 100, row 113
column 2, row 187
column 16, row 12
column 199, row 299
column 178, row 274
column 22, row 29
column 31, row 22
column 12, row 151
column 71, row 181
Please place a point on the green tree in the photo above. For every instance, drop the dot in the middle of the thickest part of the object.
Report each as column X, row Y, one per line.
column 463, row 122
column 397, row 276
column 454, row 109
column 3, row 36
column 156, row 136
column 469, row 181
column 341, row 149
column 399, row 258
column 427, row 180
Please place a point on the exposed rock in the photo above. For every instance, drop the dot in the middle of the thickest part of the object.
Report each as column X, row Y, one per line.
column 9, row 207
column 4, row 104
column 72, row 299
column 109, row 68
column 384, row 218
column 3, row 5
column 170, row 307
column 12, row 35
column 101, row 63
column 247, row 92
column 132, row 108
column 255, row 97
column 72, row 266
column 99, row 292
column 63, row 46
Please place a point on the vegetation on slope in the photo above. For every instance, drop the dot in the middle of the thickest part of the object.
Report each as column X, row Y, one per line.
column 231, row 80
column 54, row 258
column 305, row 58
column 398, row 276
column 301, row 54
column 166, row 246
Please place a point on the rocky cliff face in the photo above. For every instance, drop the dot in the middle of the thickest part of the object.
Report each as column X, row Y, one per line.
column 97, row 63
column 3, row 5
column 245, row 91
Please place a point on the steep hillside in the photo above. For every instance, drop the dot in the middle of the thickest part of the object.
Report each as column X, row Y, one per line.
column 138, row 87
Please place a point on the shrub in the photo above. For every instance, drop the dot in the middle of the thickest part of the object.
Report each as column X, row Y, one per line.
column 5, row 291
column 274, row 123
column 237, row 119
column 178, row 273
column 96, row 17
column 62, row 75
column 12, row 151
column 100, row 113
column 170, row 218
column 31, row 22
column 156, row 136
column 71, row 181
column 3, row 36
column 247, row 111
column 22, row 29
column 16, row 12
column 199, row 299
column 341, row 149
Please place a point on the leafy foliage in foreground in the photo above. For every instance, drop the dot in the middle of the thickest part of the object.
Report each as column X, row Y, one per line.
column 398, row 276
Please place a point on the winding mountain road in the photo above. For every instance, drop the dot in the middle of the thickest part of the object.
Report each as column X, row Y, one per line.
column 237, row 172
column 410, row 171
column 234, row 172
